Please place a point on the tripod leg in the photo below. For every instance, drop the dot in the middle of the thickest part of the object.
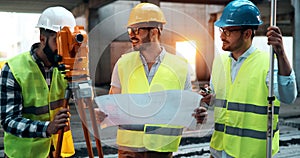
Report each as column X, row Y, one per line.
column 84, row 127
column 95, row 128
column 61, row 134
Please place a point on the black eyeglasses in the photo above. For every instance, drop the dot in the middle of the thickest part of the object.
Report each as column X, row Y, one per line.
column 136, row 30
column 228, row 32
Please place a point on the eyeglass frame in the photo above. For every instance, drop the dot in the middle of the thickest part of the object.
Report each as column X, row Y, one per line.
column 227, row 32
column 136, row 30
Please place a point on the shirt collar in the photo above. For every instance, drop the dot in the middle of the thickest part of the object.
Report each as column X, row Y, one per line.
column 158, row 58
column 33, row 54
column 246, row 54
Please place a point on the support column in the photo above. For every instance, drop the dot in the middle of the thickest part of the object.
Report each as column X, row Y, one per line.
column 296, row 46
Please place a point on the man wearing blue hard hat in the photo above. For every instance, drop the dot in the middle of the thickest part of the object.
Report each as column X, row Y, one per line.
column 241, row 103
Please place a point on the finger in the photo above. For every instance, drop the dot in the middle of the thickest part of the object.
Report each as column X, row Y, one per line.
column 64, row 110
column 274, row 28
column 200, row 109
column 61, row 116
column 60, row 126
column 61, row 121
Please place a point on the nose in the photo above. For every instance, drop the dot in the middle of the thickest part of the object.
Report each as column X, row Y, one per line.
column 131, row 35
column 222, row 35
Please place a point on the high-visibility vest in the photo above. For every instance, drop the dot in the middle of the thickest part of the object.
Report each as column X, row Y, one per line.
column 39, row 103
column 171, row 75
column 240, row 109
column 2, row 64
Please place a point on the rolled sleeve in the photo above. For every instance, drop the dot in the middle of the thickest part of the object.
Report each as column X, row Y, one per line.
column 287, row 88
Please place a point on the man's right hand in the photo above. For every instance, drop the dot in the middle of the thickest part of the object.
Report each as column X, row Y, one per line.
column 59, row 122
column 100, row 115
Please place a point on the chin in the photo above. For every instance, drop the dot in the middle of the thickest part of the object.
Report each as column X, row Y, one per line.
column 136, row 47
column 225, row 48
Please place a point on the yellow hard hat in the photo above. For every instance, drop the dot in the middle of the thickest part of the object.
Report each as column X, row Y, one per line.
column 146, row 12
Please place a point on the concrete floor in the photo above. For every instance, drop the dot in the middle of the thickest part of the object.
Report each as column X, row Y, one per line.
column 289, row 116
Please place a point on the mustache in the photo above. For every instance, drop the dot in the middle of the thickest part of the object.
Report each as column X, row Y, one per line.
column 225, row 41
column 133, row 38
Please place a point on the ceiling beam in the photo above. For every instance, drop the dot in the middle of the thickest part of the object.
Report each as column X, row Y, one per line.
column 94, row 4
column 216, row 2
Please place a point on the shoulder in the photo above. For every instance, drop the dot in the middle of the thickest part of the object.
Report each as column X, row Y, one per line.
column 130, row 54
column 175, row 57
column 259, row 54
column 21, row 57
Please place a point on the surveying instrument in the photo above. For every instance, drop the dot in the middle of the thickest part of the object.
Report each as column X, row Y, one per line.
column 72, row 60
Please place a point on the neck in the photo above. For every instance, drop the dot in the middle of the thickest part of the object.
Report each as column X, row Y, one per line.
column 239, row 52
column 151, row 53
column 41, row 55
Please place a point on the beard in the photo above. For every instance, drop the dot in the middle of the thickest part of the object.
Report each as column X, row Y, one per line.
column 146, row 42
column 51, row 55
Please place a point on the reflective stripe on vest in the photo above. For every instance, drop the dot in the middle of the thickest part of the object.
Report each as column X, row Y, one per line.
column 163, row 138
column 171, row 75
column 244, row 107
column 241, row 107
column 44, row 109
column 39, row 103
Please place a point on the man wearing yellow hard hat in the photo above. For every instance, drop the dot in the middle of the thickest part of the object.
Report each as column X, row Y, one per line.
column 149, row 68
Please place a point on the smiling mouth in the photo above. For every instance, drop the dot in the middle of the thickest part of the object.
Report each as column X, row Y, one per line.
column 134, row 40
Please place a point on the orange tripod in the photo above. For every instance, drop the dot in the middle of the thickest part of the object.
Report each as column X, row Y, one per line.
column 73, row 62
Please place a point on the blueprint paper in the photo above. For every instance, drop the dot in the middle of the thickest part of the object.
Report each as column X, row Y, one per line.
column 174, row 107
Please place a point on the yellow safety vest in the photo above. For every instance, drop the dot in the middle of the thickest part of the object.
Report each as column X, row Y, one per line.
column 39, row 103
column 171, row 75
column 2, row 64
column 240, row 109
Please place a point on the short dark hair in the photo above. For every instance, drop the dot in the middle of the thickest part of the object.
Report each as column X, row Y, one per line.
column 46, row 32
column 252, row 27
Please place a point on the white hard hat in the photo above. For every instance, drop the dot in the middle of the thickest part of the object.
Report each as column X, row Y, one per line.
column 55, row 18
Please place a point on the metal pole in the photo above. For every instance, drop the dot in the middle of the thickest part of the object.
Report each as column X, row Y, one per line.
column 271, row 97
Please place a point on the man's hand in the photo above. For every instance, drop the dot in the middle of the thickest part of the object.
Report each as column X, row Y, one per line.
column 208, row 96
column 100, row 115
column 200, row 114
column 275, row 39
column 59, row 122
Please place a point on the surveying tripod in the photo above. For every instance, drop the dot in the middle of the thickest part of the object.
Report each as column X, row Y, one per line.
column 73, row 62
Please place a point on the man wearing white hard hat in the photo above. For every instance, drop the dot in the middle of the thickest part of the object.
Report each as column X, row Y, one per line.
column 32, row 94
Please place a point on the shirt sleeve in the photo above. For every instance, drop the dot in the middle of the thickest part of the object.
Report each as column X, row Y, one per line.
column 188, row 82
column 286, row 90
column 11, row 105
column 115, row 80
column 284, row 87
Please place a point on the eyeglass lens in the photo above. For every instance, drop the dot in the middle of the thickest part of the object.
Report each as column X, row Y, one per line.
column 228, row 32
column 136, row 30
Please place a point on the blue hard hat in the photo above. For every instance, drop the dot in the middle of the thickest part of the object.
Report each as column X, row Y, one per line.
column 240, row 13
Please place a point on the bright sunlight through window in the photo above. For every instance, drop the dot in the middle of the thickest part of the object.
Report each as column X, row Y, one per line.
column 187, row 49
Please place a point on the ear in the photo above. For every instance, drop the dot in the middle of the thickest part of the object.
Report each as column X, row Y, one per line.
column 43, row 39
column 248, row 33
column 154, row 33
